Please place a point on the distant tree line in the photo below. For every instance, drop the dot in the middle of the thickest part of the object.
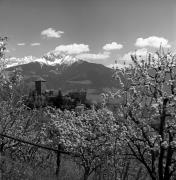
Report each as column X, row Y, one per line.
column 69, row 101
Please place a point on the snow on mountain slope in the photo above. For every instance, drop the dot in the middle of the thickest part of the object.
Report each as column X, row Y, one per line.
column 75, row 76
column 48, row 59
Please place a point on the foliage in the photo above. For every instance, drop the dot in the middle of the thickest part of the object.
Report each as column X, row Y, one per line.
column 87, row 136
column 145, row 109
column 18, row 121
column 136, row 140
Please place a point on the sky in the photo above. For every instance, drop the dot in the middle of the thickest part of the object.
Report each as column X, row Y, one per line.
column 100, row 31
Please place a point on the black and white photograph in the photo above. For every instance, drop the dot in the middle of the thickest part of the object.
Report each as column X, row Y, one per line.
column 87, row 90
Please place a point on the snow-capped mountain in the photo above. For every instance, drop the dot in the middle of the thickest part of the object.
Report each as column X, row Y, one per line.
column 53, row 59
column 67, row 74
column 49, row 59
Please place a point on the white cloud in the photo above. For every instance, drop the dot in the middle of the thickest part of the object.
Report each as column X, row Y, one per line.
column 140, row 53
column 112, row 46
column 21, row 44
column 89, row 56
column 72, row 49
column 126, row 60
column 116, row 65
column 152, row 41
column 35, row 44
column 14, row 61
column 51, row 33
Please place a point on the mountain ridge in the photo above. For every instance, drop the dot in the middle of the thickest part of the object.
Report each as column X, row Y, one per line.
column 76, row 76
column 49, row 59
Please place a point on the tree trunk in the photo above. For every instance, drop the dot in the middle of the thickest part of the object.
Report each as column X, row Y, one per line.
column 1, row 160
column 58, row 161
column 161, row 132
column 168, row 159
column 160, row 164
column 86, row 174
column 138, row 174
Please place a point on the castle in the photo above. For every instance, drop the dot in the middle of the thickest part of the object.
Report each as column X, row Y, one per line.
column 41, row 97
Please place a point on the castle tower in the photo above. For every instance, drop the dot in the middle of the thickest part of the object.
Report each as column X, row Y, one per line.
column 38, row 85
